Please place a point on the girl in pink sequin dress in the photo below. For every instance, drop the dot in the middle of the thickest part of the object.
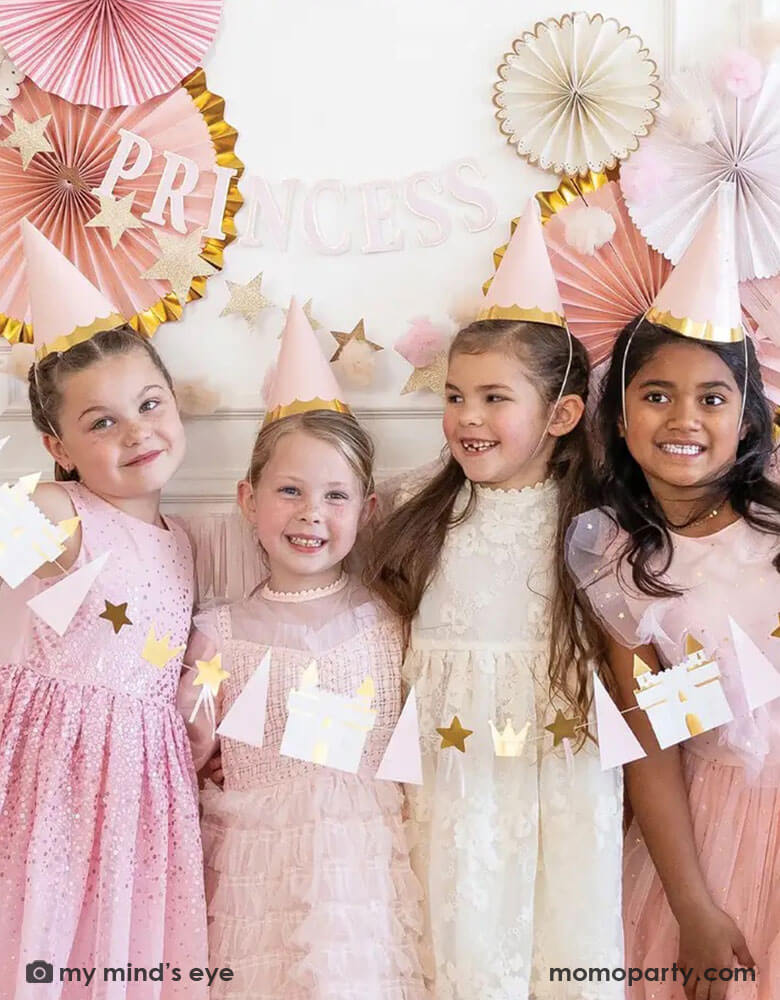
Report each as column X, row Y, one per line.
column 310, row 891
column 100, row 852
column 687, row 543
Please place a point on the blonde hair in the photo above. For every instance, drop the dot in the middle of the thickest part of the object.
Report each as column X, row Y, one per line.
column 340, row 430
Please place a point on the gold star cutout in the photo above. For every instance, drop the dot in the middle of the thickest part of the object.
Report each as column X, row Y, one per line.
column 307, row 313
column 116, row 216
column 454, row 735
column 29, row 138
column 357, row 335
column 562, row 728
column 157, row 651
column 776, row 633
column 116, row 614
column 432, row 377
column 246, row 300
column 180, row 262
column 211, row 674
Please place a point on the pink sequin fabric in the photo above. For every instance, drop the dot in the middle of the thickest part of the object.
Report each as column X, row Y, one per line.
column 100, row 852
column 311, row 893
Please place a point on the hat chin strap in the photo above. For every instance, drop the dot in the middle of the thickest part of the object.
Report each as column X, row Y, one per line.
column 550, row 419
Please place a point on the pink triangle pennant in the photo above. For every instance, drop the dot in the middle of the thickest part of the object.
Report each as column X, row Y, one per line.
column 760, row 679
column 402, row 760
column 57, row 605
column 245, row 720
column 617, row 744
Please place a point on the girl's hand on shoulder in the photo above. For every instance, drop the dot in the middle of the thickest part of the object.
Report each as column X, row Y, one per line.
column 710, row 940
column 213, row 771
column 54, row 502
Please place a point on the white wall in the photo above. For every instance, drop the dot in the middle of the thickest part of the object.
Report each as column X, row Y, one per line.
column 363, row 92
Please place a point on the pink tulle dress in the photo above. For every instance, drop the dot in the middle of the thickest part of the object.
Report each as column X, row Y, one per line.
column 310, row 891
column 732, row 772
column 100, row 851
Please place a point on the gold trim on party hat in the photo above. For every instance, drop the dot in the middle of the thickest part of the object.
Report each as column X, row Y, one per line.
column 700, row 298
column 303, row 381
column 524, row 286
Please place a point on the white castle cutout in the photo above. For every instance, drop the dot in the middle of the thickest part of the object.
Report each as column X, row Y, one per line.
column 685, row 700
column 327, row 728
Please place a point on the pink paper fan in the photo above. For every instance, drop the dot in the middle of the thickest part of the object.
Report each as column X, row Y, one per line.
column 761, row 306
column 54, row 193
column 108, row 52
column 601, row 292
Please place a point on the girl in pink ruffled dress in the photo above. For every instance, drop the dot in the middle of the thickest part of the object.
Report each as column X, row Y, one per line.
column 689, row 539
column 309, row 886
column 100, row 851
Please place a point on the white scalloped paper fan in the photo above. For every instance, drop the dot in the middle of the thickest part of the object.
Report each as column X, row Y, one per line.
column 745, row 148
column 576, row 94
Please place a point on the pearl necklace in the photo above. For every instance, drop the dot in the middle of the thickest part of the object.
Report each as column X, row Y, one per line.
column 299, row 596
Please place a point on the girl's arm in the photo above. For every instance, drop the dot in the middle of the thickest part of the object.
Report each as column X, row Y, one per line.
column 202, row 739
column 708, row 936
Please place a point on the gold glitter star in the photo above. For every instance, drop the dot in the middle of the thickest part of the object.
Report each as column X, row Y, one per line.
column 116, row 614
column 307, row 313
column 562, row 728
column 432, row 377
column 776, row 633
column 157, row 651
column 246, row 300
column 29, row 138
column 116, row 216
column 357, row 336
column 454, row 735
column 179, row 262
column 211, row 674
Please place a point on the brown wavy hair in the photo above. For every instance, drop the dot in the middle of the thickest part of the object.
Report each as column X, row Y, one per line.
column 45, row 377
column 407, row 547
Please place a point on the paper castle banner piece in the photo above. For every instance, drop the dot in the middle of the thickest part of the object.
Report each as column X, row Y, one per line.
column 28, row 539
column 685, row 700
column 327, row 728
column 617, row 744
column 402, row 760
column 58, row 604
column 507, row 742
column 245, row 720
column 760, row 679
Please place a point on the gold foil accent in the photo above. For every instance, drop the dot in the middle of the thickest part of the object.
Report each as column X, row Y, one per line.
column 223, row 138
column 693, row 724
column 533, row 315
column 79, row 335
column 695, row 329
column 304, row 406
column 570, row 189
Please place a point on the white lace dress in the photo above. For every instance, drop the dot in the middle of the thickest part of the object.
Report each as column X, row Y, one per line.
column 520, row 856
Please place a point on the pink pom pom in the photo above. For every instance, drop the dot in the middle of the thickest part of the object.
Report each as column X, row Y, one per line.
column 421, row 342
column 267, row 383
column 643, row 175
column 740, row 74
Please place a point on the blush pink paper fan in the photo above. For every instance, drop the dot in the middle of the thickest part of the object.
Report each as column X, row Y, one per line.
column 761, row 308
column 604, row 291
column 108, row 52
column 55, row 194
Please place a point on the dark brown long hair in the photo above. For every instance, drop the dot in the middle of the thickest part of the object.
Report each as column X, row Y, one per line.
column 407, row 547
column 45, row 378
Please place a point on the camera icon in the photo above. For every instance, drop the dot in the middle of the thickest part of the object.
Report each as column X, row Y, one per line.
column 40, row 972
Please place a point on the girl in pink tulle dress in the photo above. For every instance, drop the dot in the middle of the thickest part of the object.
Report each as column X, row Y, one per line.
column 310, row 891
column 688, row 543
column 100, row 851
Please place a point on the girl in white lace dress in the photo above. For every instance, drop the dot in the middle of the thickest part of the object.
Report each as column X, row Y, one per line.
column 520, row 855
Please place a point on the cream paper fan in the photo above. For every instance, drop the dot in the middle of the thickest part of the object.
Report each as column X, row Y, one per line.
column 743, row 146
column 575, row 95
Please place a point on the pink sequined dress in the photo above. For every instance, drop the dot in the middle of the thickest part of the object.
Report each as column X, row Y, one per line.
column 733, row 772
column 310, row 891
column 100, row 851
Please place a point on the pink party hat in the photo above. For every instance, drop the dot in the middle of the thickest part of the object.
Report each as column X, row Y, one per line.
column 700, row 298
column 66, row 308
column 524, row 286
column 303, row 379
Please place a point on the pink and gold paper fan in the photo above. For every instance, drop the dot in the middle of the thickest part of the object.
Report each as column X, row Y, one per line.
column 602, row 291
column 108, row 52
column 55, row 194
column 761, row 307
